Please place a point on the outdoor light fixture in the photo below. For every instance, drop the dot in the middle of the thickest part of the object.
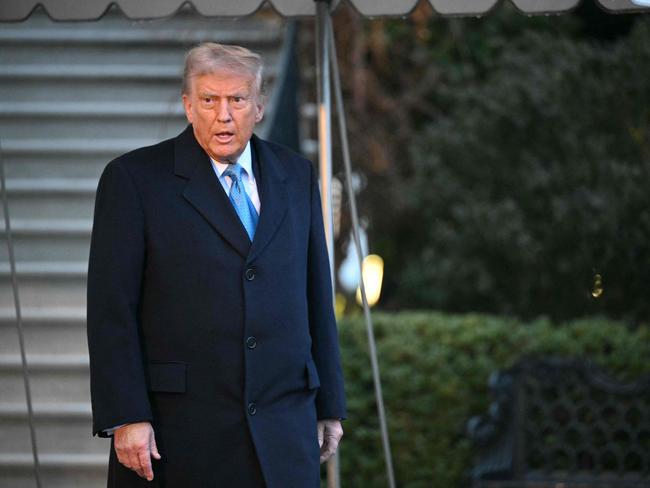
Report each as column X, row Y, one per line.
column 373, row 275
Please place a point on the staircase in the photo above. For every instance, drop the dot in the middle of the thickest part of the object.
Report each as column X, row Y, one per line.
column 72, row 97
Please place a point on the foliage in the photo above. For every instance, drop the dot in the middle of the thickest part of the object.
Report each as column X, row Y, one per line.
column 434, row 370
column 506, row 159
column 535, row 182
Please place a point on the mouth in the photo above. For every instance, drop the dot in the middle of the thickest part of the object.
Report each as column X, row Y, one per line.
column 224, row 137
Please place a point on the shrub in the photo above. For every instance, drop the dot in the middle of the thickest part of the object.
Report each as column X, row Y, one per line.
column 434, row 371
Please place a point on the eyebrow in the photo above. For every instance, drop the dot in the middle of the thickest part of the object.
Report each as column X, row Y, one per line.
column 214, row 95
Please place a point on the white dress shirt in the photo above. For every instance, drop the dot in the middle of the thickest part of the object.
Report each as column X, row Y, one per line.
column 248, row 176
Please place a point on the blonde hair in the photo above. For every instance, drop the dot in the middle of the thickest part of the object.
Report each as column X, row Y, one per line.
column 210, row 57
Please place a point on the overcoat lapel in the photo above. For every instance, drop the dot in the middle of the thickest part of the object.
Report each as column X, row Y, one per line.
column 204, row 192
column 273, row 195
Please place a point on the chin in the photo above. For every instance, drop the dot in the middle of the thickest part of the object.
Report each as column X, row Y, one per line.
column 221, row 153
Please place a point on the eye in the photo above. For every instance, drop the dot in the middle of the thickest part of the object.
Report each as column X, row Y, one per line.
column 238, row 100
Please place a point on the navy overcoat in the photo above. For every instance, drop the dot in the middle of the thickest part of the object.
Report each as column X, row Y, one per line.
column 229, row 348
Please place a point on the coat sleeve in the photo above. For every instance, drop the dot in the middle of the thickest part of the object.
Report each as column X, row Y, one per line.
column 115, row 269
column 330, row 399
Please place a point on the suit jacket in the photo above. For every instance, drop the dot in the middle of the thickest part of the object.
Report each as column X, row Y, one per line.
column 228, row 347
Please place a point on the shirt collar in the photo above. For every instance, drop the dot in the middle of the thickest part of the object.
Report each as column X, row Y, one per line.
column 245, row 160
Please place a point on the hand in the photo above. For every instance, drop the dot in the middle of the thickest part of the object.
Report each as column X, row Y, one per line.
column 135, row 444
column 330, row 432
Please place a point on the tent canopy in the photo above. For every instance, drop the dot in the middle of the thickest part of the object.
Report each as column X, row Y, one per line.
column 16, row 10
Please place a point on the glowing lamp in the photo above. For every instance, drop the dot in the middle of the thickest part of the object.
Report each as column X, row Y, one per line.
column 373, row 275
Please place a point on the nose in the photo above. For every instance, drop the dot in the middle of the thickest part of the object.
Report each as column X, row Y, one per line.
column 223, row 111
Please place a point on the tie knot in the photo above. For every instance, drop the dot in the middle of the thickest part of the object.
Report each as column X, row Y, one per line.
column 235, row 171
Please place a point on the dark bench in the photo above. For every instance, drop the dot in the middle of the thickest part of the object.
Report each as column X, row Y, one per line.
column 561, row 423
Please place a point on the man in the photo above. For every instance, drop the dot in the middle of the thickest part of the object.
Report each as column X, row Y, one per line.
column 213, row 347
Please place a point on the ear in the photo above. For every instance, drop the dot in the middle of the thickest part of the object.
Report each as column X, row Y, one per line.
column 260, row 111
column 187, row 104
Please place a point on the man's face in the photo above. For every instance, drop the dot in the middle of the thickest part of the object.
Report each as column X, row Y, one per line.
column 223, row 109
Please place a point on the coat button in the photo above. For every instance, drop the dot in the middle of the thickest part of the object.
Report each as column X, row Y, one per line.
column 252, row 409
column 251, row 342
column 250, row 274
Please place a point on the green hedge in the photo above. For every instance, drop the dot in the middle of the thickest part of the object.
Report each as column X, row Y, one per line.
column 434, row 371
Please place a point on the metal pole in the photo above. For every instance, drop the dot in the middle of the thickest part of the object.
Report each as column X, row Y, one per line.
column 19, row 322
column 357, row 242
column 324, row 124
column 325, row 165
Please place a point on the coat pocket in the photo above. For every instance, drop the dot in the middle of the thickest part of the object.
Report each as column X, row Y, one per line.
column 167, row 376
column 313, row 381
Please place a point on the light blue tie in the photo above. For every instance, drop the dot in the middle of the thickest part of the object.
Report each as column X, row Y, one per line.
column 240, row 199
